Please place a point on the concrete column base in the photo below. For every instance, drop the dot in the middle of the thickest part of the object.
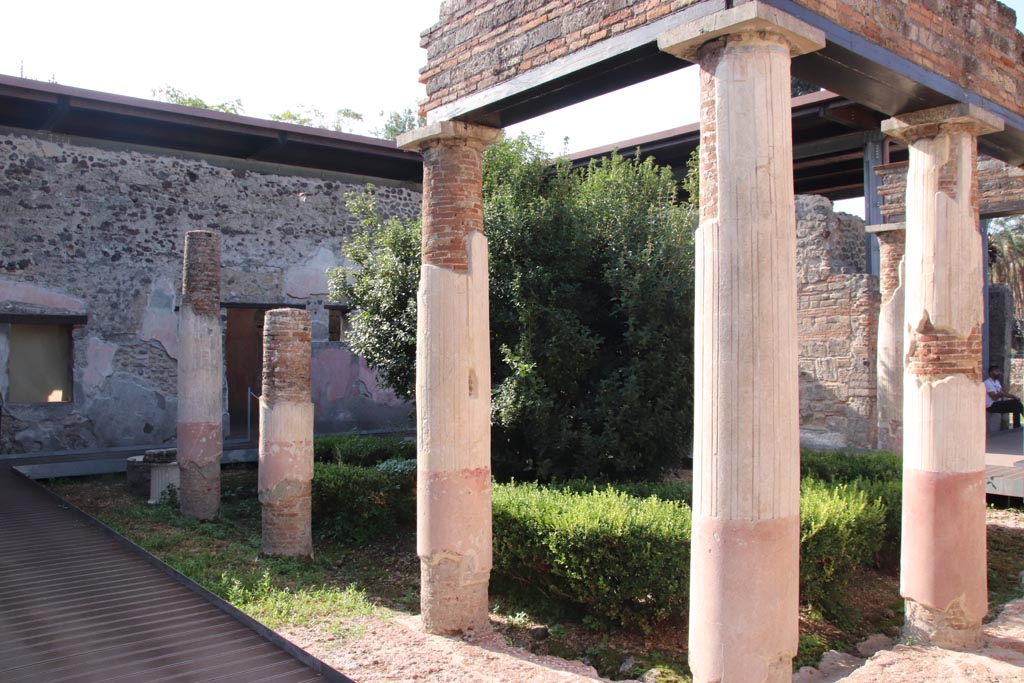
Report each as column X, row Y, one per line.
column 451, row 601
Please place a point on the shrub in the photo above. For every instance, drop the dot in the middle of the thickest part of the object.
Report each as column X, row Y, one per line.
column 845, row 466
column 362, row 449
column 357, row 504
column 840, row 529
column 678, row 491
column 619, row 557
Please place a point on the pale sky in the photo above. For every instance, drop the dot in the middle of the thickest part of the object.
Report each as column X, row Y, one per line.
column 331, row 54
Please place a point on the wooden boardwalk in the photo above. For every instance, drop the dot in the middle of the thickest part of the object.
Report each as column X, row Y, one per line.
column 80, row 605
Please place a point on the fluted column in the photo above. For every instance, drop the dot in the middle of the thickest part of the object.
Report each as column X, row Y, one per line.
column 286, row 434
column 453, row 381
column 200, row 377
column 744, row 589
column 890, row 335
column 943, row 573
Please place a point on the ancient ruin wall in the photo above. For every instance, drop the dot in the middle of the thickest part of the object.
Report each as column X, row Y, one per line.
column 477, row 44
column 838, row 326
column 99, row 232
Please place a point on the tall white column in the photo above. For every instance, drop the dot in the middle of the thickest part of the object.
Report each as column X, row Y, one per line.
column 744, row 589
column 453, row 381
column 943, row 575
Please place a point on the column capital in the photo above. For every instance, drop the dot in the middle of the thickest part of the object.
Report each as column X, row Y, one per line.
column 685, row 41
column 447, row 130
column 928, row 123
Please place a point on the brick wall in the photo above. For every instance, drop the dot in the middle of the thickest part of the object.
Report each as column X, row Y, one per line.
column 477, row 44
column 838, row 327
column 1000, row 189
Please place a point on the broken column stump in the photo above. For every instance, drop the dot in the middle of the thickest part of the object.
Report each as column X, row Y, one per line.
column 286, row 434
column 200, row 377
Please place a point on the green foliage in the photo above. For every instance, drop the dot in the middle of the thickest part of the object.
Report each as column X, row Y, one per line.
column 355, row 504
column 362, row 449
column 840, row 530
column 846, row 466
column 381, row 288
column 341, row 122
column 398, row 122
column 591, row 283
column 276, row 606
column 174, row 96
column 798, row 87
column 621, row 558
column 677, row 491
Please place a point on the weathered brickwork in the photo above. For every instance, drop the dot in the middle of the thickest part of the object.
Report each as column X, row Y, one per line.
column 100, row 232
column 452, row 169
column 934, row 354
column 1000, row 189
column 477, row 44
column 711, row 55
column 200, row 280
column 838, row 328
column 286, row 355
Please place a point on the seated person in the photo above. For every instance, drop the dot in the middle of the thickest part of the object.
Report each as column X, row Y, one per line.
column 999, row 401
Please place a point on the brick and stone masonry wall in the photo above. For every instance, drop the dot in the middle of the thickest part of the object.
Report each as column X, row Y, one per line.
column 100, row 232
column 838, row 326
column 1000, row 189
column 478, row 44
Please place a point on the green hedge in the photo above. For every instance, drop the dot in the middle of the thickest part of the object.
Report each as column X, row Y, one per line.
column 621, row 558
column 362, row 449
column 358, row 504
column 845, row 466
column 840, row 530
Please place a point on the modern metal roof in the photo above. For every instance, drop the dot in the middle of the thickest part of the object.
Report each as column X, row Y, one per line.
column 76, row 112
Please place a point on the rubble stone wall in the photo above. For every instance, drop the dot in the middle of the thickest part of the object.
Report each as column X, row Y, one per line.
column 837, row 321
column 91, row 230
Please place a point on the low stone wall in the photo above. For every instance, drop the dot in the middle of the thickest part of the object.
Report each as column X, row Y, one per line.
column 97, row 232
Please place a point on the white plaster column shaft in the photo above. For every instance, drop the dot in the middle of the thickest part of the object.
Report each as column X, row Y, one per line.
column 889, row 353
column 943, row 575
column 453, row 381
column 200, row 377
column 744, row 588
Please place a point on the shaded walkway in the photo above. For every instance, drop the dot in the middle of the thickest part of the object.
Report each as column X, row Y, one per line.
column 77, row 605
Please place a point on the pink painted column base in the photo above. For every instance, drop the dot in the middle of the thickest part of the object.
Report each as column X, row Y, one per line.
column 943, row 574
column 454, row 566
column 199, row 453
column 752, row 569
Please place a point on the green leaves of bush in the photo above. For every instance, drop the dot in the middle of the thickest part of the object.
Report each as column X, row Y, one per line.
column 361, row 449
column 359, row 504
column 622, row 558
column 840, row 530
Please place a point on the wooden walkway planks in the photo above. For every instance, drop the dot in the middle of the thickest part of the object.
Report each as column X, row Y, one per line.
column 77, row 605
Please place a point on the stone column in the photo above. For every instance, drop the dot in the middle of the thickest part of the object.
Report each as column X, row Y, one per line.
column 200, row 377
column 744, row 584
column 453, row 381
column 286, row 434
column 943, row 574
column 890, row 335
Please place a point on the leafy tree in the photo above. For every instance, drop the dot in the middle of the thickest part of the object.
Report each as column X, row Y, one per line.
column 399, row 122
column 382, row 291
column 591, row 282
column 1006, row 257
column 798, row 87
column 341, row 122
column 174, row 96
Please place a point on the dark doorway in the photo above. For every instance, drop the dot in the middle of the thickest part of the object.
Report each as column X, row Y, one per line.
column 244, row 369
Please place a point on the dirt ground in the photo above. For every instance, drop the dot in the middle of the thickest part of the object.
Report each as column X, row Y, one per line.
column 378, row 650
